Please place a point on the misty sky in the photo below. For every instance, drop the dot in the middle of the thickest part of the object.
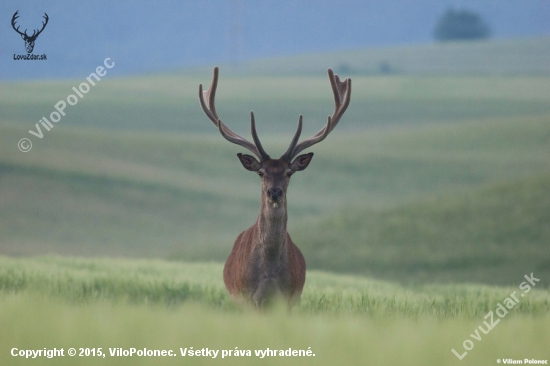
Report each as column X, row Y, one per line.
column 149, row 36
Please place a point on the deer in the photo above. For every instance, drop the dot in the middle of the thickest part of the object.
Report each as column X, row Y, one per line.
column 29, row 40
column 265, row 264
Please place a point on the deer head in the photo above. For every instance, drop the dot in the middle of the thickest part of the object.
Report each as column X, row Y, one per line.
column 29, row 40
column 275, row 173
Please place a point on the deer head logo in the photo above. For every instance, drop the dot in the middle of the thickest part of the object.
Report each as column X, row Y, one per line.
column 29, row 40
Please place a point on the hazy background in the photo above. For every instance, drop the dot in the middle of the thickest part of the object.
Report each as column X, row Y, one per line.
column 149, row 36
column 438, row 172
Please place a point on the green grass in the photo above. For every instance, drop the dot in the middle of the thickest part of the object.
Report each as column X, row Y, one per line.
column 466, row 201
column 435, row 183
column 427, row 177
column 158, row 103
column 438, row 82
column 350, row 341
column 491, row 235
column 80, row 280
column 69, row 302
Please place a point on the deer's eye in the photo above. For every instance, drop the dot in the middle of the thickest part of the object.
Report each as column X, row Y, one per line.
column 260, row 173
column 289, row 173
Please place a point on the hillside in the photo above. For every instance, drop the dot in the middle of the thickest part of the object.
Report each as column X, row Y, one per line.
column 491, row 235
column 434, row 83
column 510, row 57
column 135, row 169
column 164, row 103
column 140, row 195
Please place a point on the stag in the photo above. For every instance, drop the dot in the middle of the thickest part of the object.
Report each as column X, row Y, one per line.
column 264, row 263
column 29, row 40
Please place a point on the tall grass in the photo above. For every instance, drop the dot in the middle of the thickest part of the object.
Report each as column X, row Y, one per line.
column 30, row 322
column 169, row 283
column 90, row 303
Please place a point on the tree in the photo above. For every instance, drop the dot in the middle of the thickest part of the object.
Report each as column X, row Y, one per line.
column 461, row 25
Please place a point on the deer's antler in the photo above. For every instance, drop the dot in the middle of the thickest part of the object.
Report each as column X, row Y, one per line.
column 342, row 95
column 37, row 32
column 207, row 101
column 13, row 20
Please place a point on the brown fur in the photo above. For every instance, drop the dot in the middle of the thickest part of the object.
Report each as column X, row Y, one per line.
column 242, row 274
column 264, row 263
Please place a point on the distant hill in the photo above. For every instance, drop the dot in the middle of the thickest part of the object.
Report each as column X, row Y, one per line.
column 474, row 80
column 489, row 57
column 156, row 36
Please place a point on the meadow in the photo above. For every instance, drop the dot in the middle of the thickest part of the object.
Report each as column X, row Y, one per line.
column 471, row 189
column 53, row 302
column 421, row 212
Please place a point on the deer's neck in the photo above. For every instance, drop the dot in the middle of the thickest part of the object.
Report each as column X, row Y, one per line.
column 272, row 228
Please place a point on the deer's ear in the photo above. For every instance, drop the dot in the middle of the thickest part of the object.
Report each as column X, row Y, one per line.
column 301, row 162
column 249, row 162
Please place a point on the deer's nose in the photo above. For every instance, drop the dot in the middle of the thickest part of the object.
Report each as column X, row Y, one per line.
column 275, row 193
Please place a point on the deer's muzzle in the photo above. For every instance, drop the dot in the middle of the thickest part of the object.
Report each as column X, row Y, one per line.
column 275, row 193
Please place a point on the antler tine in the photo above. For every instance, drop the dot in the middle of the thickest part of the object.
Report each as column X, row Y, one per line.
column 342, row 94
column 43, row 23
column 342, row 97
column 210, row 108
column 210, row 111
column 288, row 154
column 13, row 20
column 210, row 94
column 263, row 154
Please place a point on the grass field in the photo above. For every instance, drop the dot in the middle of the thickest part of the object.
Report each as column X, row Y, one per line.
column 67, row 302
column 418, row 215
column 344, row 340
column 474, row 192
